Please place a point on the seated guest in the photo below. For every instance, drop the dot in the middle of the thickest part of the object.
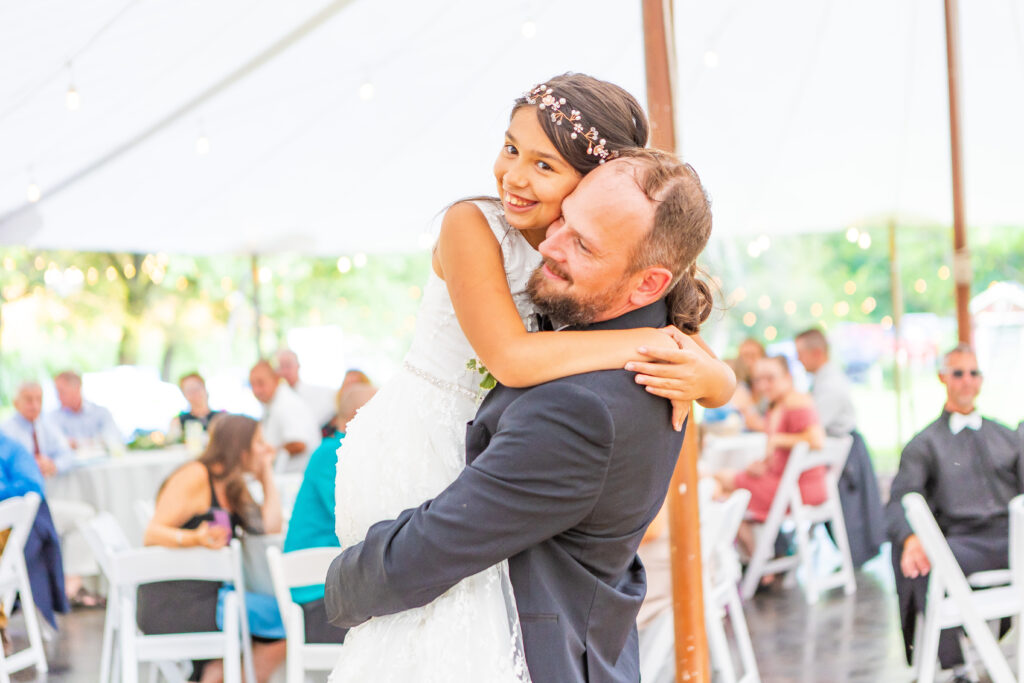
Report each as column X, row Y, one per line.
column 314, row 507
column 82, row 422
column 287, row 424
column 747, row 399
column 790, row 420
column 354, row 376
column 968, row 468
column 37, row 435
column 53, row 455
column 318, row 399
column 193, row 388
column 858, row 486
column 19, row 474
column 201, row 504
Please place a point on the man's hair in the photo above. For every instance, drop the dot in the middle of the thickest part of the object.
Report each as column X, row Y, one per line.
column 780, row 361
column 959, row 348
column 682, row 226
column 814, row 338
column 191, row 375
column 26, row 385
column 68, row 377
column 264, row 364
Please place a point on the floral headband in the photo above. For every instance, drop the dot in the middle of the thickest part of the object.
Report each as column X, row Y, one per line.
column 544, row 98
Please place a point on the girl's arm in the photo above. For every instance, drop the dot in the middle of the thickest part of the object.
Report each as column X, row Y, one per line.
column 689, row 372
column 813, row 435
column 469, row 259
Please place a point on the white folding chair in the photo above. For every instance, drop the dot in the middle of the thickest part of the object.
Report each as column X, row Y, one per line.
column 788, row 506
column 951, row 602
column 127, row 568
column 293, row 570
column 720, row 521
column 18, row 514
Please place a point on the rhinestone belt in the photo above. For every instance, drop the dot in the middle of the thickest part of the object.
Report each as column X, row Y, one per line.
column 440, row 383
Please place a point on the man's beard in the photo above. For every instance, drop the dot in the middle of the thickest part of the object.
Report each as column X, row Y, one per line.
column 564, row 309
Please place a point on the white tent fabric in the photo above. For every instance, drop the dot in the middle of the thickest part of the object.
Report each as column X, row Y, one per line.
column 345, row 125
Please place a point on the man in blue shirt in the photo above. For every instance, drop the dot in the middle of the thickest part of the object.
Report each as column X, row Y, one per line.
column 82, row 422
column 19, row 474
column 36, row 434
column 314, row 506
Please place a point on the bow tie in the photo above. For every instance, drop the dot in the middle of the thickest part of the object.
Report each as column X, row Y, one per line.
column 958, row 422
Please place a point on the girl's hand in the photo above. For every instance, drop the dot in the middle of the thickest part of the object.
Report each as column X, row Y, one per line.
column 210, row 536
column 676, row 374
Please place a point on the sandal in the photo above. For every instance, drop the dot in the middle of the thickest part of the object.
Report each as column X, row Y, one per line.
column 87, row 600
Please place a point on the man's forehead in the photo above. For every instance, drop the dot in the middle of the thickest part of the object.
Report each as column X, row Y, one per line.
column 610, row 189
column 961, row 359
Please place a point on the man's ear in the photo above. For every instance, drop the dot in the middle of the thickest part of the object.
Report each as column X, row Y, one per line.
column 653, row 285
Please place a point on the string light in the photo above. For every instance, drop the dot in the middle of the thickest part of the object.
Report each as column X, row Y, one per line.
column 864, row 241
column 920, row 286
column 817, row 309
column 770, row 333
column 71, row 98
column 789, row 307
column 886, row 322
column 841, row 308
column 850, row 287
column 749, row 319
column 944, row 272
column 359, row 260
column 33, row 194
column 367, row 91
column 868, row 305
column 711, row 59
column 529, row 29
column 344, row 264
column 764, row 302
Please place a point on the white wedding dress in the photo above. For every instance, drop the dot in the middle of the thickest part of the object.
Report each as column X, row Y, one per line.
column 404, row 447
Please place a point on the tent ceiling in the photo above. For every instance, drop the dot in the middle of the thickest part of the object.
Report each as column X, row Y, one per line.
column 807, row 116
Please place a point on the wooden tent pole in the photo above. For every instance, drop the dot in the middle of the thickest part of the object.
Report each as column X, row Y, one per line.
column 692, row 662
column 961, row 254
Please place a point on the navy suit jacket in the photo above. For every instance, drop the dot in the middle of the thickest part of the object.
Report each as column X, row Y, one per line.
column 563, row 479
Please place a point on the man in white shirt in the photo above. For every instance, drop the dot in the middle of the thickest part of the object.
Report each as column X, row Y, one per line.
column 53, row 455
column 82, row 422
column 36, row 434
column 319, row 399
column 287, row 423
column 830, row 388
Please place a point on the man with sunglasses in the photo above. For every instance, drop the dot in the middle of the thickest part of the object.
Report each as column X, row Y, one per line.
column 968, row 468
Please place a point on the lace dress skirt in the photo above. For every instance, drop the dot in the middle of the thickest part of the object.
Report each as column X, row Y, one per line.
column 402, row 449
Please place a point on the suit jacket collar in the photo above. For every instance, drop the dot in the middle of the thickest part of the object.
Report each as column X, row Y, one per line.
column 651, row 315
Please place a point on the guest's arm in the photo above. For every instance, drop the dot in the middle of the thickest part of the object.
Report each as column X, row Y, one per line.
column 270, row 510
column 540, row 475
column 19, row 470
column 185, row 494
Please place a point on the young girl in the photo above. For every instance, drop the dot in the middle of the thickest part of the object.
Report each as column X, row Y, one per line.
column 407, row 444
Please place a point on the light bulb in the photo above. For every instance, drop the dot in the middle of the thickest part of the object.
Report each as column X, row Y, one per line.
column 73, row 99
column 529, row 29
column 34, row 193
column 711, row 59
column 367, row 91
column 202, row 145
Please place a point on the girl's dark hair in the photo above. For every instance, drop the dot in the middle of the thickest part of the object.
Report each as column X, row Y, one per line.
column 230, row 439
column 616, row 115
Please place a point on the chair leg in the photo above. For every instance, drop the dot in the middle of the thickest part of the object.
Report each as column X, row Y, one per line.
column 926, row 657
column 107, row 649
column 718, row 644
column 232, row 649
column 758, row 559
column 294, row 669
column 843, row 544
column 805, row 551
column 28, row 608
column 751, row 673
column 129, row 665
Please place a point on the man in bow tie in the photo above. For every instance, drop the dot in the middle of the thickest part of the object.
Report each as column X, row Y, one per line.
column 967, row 468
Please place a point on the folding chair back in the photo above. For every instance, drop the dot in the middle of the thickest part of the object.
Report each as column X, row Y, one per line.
column 18, row 514
column 720, row 522
column 789, row 505
column 951, row 602
column 295, row 570
column 144, row 510
column 127, row 568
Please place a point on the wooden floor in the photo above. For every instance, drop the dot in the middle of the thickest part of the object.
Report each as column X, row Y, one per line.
column 841, row 639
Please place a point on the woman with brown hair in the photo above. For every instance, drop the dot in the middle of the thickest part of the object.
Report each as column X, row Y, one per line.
column 201, row 504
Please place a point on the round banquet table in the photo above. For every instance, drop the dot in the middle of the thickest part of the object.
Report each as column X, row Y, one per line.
column 113, row 484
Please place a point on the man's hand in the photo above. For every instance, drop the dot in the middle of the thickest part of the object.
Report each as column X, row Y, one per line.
column 758, row 468
column 913, row 562
column 46, row 466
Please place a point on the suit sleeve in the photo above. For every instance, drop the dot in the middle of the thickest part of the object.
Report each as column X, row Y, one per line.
column 540, row 474
column 911, row 477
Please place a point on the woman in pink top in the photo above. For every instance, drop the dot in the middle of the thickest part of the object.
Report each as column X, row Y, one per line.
column 791, row 418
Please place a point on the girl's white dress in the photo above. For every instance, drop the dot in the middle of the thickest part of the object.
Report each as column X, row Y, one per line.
column 404, row 447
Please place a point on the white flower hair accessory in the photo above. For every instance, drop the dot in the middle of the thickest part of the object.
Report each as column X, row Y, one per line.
column 545, row 99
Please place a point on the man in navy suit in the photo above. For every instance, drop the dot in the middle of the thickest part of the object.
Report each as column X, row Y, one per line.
column 562, row 478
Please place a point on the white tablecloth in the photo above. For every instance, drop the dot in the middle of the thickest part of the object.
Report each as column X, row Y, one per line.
column 113, row 484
